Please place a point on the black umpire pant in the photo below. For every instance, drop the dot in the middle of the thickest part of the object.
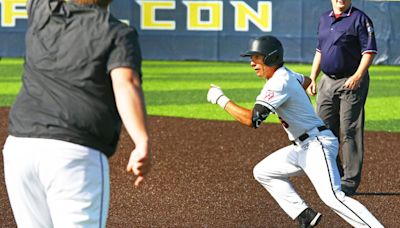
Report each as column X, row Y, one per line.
column 342, row 110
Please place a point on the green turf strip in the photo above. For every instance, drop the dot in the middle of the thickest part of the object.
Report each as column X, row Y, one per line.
column 179, row 88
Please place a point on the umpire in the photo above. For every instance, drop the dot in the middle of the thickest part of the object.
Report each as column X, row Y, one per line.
column 345, row 49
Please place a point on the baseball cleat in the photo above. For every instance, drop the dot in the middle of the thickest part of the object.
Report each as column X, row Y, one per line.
column 309, row 218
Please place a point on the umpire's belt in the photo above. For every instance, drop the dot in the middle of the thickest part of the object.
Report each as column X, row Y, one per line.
column 305, row 136
column 337, row 76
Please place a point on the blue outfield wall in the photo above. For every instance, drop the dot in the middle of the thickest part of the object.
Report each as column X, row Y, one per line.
column 220, row 30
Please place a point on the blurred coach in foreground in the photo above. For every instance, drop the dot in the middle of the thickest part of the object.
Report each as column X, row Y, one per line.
column 82, row 75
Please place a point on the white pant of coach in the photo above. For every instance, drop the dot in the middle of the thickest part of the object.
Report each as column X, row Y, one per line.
column 53, row 183
column 316, row 157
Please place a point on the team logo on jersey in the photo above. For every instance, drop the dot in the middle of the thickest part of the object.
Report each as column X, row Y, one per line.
column 370, row 29
column 269, row 95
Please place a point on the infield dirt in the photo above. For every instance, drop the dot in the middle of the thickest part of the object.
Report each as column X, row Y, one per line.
column 202, row 177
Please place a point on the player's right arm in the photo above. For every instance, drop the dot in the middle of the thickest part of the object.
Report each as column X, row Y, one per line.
column 241, row 114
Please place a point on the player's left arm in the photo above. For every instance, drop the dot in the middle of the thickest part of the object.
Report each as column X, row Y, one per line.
column 248, row 117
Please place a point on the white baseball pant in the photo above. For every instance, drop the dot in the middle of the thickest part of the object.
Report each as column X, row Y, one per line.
column 315, row 157
column 53, row 183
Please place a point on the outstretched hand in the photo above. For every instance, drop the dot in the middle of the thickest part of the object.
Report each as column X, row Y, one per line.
column 214, row 92
column 216, row 96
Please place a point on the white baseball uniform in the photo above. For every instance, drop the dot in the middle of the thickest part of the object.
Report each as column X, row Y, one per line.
column 313, row 154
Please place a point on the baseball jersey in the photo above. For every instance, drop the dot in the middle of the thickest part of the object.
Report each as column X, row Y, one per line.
column 284, row 95
column 67, row 91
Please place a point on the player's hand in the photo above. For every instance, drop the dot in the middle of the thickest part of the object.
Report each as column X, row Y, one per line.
column 214, row 92
column 312, row 88
column 216, row 96
column 139, row 163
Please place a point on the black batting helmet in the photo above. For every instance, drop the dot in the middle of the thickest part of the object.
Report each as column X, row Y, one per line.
column 269, row 46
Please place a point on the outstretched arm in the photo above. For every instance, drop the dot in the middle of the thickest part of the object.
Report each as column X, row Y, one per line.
column 241, row 114
column 130, row 103
column 247, row 117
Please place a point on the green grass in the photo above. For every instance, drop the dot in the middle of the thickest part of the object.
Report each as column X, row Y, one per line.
column 179, row 88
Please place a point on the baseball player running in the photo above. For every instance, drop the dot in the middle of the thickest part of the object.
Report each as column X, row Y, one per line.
column 314, row 148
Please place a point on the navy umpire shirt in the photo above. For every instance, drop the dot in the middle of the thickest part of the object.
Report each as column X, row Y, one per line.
column 342, row 41
column 67, row 90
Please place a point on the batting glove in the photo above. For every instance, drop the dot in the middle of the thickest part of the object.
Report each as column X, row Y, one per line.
column 216, row 96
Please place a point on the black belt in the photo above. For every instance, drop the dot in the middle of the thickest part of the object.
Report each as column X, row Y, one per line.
column 336, row 76
column 305, row 135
